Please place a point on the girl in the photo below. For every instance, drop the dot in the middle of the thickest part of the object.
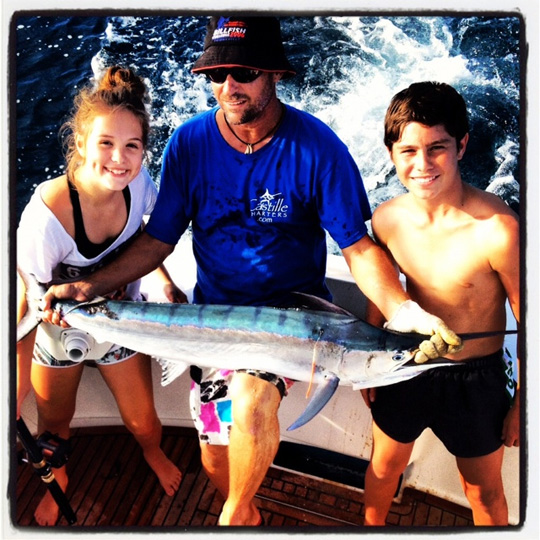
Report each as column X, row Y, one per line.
column 72, row 225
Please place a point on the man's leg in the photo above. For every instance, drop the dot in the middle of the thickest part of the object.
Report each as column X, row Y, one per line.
column 481, row 480
column 215, row 461
column 388, row 461
column 254, row 441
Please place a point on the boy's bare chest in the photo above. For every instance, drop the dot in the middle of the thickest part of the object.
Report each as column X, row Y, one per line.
column 450, row 258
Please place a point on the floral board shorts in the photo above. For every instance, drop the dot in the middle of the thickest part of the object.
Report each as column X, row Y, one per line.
column 210, row 406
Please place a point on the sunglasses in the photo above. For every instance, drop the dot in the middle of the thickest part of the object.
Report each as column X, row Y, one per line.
column 239, row 74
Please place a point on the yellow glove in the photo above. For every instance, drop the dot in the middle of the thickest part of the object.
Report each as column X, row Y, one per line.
column 410, row 317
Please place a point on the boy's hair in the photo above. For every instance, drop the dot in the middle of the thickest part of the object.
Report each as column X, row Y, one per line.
column 428, row 103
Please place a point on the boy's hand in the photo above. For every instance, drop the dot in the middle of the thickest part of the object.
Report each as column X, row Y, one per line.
column 410, row 317
column 368, row 394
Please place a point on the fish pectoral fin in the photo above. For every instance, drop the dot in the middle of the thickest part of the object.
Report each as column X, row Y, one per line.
column 320, row 398
column 171, row 370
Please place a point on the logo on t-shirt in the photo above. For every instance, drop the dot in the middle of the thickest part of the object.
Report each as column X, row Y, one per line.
column 269, row 208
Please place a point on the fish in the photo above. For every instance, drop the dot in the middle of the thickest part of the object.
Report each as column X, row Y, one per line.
column 327, row 347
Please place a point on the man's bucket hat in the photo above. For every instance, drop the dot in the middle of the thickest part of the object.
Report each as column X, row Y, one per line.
column 251, row 42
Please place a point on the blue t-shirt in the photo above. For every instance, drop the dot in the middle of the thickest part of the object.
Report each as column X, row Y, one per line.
column 258, row 220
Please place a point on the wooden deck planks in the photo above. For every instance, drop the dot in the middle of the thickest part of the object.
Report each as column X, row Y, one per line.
column 112, row 487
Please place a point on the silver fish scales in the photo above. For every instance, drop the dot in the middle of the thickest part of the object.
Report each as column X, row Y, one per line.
column 327, row 348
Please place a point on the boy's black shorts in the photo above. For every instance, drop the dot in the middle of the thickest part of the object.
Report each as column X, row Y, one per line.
column 464, row 405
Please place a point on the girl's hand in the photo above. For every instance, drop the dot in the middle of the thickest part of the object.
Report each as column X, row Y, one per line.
column 174, row 294
column 53, row 317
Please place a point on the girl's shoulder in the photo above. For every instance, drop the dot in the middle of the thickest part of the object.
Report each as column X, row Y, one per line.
column 54, row 193
column 55, row 196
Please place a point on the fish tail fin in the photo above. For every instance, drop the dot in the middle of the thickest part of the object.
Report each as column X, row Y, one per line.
column 320, row 398
column 34, row 291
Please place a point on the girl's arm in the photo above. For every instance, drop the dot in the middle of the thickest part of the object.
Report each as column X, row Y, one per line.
column 173, row 293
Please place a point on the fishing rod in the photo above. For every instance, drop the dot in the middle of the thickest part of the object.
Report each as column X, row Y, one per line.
column 478, row 335
column 57, row 456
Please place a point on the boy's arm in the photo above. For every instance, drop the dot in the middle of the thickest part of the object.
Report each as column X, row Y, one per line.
column 504, row 259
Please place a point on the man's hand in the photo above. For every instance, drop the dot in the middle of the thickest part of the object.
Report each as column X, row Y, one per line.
column 410, row 317
column 66, row 291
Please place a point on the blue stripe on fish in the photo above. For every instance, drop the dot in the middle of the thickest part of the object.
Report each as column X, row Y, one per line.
column 284, row 341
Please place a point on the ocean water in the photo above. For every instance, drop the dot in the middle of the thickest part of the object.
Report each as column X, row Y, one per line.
column 348, row 70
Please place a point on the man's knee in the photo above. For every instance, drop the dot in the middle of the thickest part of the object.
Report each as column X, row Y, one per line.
column 389, row 457
column 255, row 402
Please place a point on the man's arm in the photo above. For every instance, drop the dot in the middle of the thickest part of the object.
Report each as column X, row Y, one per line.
column 374, row 316
column 376, row 276
column 378, row 279
column 142, row 257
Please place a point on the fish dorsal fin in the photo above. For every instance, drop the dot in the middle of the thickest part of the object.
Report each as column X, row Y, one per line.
column 314, row 303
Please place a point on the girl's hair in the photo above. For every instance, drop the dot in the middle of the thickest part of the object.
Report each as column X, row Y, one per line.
column 118, row 89
column 428, row 103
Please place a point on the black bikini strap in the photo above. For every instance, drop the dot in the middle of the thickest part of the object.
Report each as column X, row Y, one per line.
column 85, row 247
column 80, row 233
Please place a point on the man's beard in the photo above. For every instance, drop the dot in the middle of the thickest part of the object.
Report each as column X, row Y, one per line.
column 256, row 110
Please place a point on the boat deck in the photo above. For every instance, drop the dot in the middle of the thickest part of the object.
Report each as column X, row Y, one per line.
column 112, row 486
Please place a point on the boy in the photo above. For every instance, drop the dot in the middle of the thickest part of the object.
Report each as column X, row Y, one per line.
column 458, row 248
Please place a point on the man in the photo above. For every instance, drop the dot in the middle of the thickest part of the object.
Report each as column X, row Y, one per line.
column 458, row 248
column 259, row 181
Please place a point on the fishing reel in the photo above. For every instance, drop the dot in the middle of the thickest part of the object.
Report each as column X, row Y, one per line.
column 55, row 450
